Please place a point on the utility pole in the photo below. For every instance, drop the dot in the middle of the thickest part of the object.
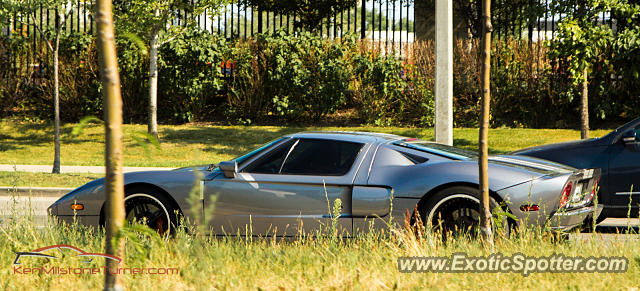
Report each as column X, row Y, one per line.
column 485, row 212
column 114, row 180
column 444, row 72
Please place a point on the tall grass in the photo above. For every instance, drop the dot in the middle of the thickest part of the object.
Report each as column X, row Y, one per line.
column 315, row 261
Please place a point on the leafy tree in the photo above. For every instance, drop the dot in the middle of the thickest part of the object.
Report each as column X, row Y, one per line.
column 155, row 23
column 24, row 12
column 583, row 40
column 311, row 12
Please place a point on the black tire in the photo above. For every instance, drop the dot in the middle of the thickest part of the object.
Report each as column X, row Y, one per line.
column 151, row 207
column 455, row 211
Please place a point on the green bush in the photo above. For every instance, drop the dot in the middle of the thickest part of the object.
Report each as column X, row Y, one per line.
column 379, row 89
column 278, row 78
column 189, row 76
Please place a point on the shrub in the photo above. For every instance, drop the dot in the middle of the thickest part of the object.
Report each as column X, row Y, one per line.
column 189, row 76
column 281, row 78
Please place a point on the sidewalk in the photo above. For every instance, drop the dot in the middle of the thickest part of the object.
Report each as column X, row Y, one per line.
column 72, row 169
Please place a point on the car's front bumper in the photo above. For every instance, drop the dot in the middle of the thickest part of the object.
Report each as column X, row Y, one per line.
column 566, row 220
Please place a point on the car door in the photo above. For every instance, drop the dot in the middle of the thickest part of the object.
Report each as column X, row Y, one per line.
column 288, row 190
column 624, row 172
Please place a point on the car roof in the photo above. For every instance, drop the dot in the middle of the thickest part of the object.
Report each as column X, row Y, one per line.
column 355, row 136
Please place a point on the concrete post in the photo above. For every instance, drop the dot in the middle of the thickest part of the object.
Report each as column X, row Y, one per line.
column 444, row 72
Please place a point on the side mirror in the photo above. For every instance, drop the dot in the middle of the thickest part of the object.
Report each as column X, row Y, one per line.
column 629, row 136
column 229, row 168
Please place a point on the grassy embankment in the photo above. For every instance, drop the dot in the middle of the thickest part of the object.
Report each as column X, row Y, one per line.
column 184, row 145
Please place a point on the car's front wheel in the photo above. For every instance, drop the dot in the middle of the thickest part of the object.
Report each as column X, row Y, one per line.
column 455, row 211
column 151, row 208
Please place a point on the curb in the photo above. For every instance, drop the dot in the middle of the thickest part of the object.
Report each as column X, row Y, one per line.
column 34, row 191
column 73, row 169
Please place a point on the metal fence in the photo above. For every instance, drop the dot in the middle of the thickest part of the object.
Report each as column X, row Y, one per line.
column 389, row 24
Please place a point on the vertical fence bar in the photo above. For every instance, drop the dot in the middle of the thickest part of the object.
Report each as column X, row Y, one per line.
column 386, row 25
column 341, row 22
column 349, row 17
column 546, row 18
column 84, row 17
column 408, row 24
column 245, row 22
column 373, row 19
column 69, row 23
column 205, row 18
column 78, row 16
column 393, row 28
column 212, row 23
column 328, row 20
column 400, row 31
column 225, row 22
column 335, row 26
column 380, row 26
column 553, row 26
column 363, row 20
column 259, row 20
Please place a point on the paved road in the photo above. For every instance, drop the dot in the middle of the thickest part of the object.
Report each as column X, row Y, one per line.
column 16, row 207
column 24, row 201
column 72, row 169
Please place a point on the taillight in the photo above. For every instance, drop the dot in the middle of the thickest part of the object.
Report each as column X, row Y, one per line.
column 565, row 195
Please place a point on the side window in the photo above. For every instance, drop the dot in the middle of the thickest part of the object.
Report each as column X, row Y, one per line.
column 271, row 162
column 637, row 129
column 415, row 159
column 321, row 157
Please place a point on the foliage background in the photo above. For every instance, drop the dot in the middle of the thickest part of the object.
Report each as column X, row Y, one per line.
column 281, row 79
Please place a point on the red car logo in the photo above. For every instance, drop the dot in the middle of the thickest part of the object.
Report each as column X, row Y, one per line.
column 80, row 253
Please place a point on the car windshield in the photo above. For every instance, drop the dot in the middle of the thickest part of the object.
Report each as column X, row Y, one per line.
column 252, row 153
column 630, row 124
column 438, row 149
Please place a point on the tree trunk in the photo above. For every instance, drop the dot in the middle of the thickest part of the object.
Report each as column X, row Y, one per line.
column 584, row 107
column 114, row 180
column 485, row 212
column 152, row 127
column 56, row 107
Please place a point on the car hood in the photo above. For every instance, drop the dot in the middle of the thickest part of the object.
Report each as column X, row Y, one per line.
column 559, row 146
column 202, row 168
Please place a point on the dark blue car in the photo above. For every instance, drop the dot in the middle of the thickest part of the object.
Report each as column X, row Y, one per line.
column 617, row 154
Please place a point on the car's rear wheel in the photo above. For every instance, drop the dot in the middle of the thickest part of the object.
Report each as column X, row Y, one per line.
column 455, row 211
column 151, row 208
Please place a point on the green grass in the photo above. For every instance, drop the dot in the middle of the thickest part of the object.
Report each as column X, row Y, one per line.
column 364, row 263
column 26, row 179
column 183, row 145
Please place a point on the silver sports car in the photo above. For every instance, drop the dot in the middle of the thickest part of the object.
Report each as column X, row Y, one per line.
column 290, row 185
